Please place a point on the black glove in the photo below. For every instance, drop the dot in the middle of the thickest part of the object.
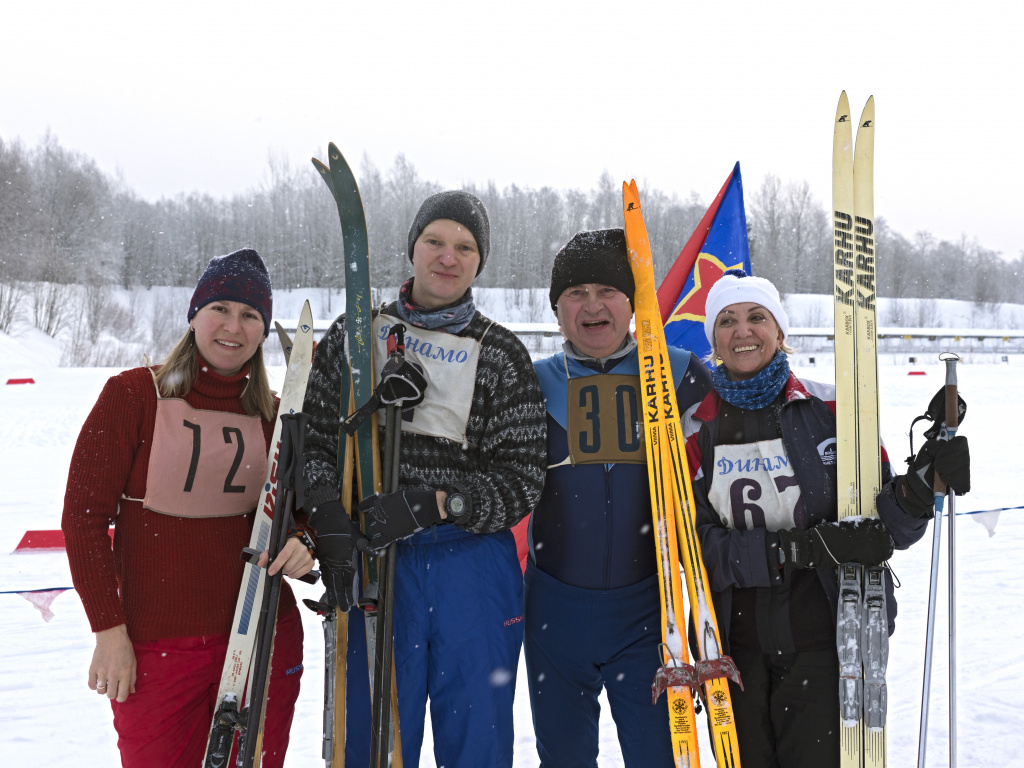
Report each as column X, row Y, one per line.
column 865, row 541
column 337, row 538
column 950, row 458
column 388, row 517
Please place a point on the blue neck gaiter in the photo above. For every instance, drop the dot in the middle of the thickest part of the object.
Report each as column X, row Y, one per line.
column 757, row 392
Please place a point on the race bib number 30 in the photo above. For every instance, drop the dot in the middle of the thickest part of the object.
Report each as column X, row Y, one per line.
column 605, row 425
column 753, row 486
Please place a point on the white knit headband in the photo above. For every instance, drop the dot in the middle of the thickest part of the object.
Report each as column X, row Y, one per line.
column 734, row 289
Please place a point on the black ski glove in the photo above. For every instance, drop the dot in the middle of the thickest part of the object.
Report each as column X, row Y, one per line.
column 865, row 541
column 388, row 517
column 337, row 538
column 950, row 458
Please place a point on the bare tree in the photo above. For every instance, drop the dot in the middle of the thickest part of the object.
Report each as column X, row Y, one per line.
column 767, row 217
column 12, row 296
column 50, row 306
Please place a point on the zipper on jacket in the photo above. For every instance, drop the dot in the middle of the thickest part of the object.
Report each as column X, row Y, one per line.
column 609, row 527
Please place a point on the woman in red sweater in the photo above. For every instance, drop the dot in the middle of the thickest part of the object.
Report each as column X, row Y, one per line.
column 174, row 457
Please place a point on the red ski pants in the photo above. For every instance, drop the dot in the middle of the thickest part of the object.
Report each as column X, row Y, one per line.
column 166, row 722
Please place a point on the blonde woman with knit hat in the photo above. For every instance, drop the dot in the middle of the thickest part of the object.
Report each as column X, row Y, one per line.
column 173, row 456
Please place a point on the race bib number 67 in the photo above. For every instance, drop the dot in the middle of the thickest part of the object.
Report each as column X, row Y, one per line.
column 753, row 486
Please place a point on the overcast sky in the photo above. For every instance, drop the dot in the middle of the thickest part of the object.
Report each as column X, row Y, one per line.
column 191, row 95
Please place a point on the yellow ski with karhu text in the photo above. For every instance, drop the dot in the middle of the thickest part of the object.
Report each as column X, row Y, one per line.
column 675, row 533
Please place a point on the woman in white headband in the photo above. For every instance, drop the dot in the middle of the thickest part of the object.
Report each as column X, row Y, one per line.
column 765, row 489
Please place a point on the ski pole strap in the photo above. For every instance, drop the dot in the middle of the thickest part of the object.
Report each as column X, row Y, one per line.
column 291, row 459
column 401, row 383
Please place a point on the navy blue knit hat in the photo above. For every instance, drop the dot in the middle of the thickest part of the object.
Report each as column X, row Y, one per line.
column 240, row 276
column 461, row 207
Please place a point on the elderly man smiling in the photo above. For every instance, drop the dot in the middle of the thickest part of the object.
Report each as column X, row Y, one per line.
column 592, row 601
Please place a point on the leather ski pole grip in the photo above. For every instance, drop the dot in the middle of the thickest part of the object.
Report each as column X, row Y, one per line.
column 952, row 410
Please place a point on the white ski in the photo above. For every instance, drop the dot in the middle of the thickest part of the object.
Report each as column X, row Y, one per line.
column 250, row 595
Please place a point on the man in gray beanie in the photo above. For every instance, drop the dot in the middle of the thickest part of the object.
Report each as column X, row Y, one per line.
column 472, row 466
column 460, row 207
column 592, row 549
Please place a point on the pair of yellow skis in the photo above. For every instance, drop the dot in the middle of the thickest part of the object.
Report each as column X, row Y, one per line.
column 675, row 532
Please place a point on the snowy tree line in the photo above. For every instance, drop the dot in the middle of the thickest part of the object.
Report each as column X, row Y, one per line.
column 64, row 222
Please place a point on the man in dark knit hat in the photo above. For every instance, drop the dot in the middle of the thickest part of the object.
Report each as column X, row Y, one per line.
column 593, row 609
column 472, row 466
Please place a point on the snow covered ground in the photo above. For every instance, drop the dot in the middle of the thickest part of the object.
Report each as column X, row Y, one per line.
column 48, row 716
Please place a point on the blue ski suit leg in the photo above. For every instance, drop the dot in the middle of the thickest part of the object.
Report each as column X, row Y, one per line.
column 358, row 714
column 458, row 632
column 578, row 640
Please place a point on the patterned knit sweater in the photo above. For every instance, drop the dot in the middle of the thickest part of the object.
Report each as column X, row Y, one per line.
column 502, row 465
column 177, row 576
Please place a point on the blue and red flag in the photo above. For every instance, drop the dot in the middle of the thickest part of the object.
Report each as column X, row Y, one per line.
column 719, row 243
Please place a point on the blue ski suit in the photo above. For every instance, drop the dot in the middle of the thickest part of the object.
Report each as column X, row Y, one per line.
column 593, row 609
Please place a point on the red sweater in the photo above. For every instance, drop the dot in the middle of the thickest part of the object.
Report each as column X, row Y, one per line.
column 177, row 576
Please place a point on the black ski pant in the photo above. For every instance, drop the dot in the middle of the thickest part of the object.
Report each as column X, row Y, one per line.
column 788, row 714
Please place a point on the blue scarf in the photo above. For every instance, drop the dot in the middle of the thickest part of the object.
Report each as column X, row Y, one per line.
column 452, row 318
column 757, row 392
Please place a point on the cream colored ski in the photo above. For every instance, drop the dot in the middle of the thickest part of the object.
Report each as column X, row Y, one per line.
column 862, row 636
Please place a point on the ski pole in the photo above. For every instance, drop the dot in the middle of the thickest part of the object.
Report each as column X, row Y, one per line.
column 383, row 730
column 952, row 421
column 289, row 496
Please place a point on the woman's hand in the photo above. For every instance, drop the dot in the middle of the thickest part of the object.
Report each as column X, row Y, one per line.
column 112, row 672
column 294, row 560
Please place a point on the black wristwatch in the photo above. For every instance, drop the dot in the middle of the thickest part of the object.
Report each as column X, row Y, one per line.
column 456, row 505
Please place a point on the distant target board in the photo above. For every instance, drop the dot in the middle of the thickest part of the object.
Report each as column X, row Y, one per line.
column 46, row 541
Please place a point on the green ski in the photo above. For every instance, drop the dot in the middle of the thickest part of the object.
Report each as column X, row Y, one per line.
column 358, row 327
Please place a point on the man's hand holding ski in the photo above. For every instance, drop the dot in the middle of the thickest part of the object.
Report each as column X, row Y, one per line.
column 337, row 539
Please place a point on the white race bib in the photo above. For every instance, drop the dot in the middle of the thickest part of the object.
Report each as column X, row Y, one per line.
column 753, row 486
column 449, row 365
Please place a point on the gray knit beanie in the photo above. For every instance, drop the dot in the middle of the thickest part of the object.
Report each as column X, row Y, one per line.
column 461, row 207
column 593, row 256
